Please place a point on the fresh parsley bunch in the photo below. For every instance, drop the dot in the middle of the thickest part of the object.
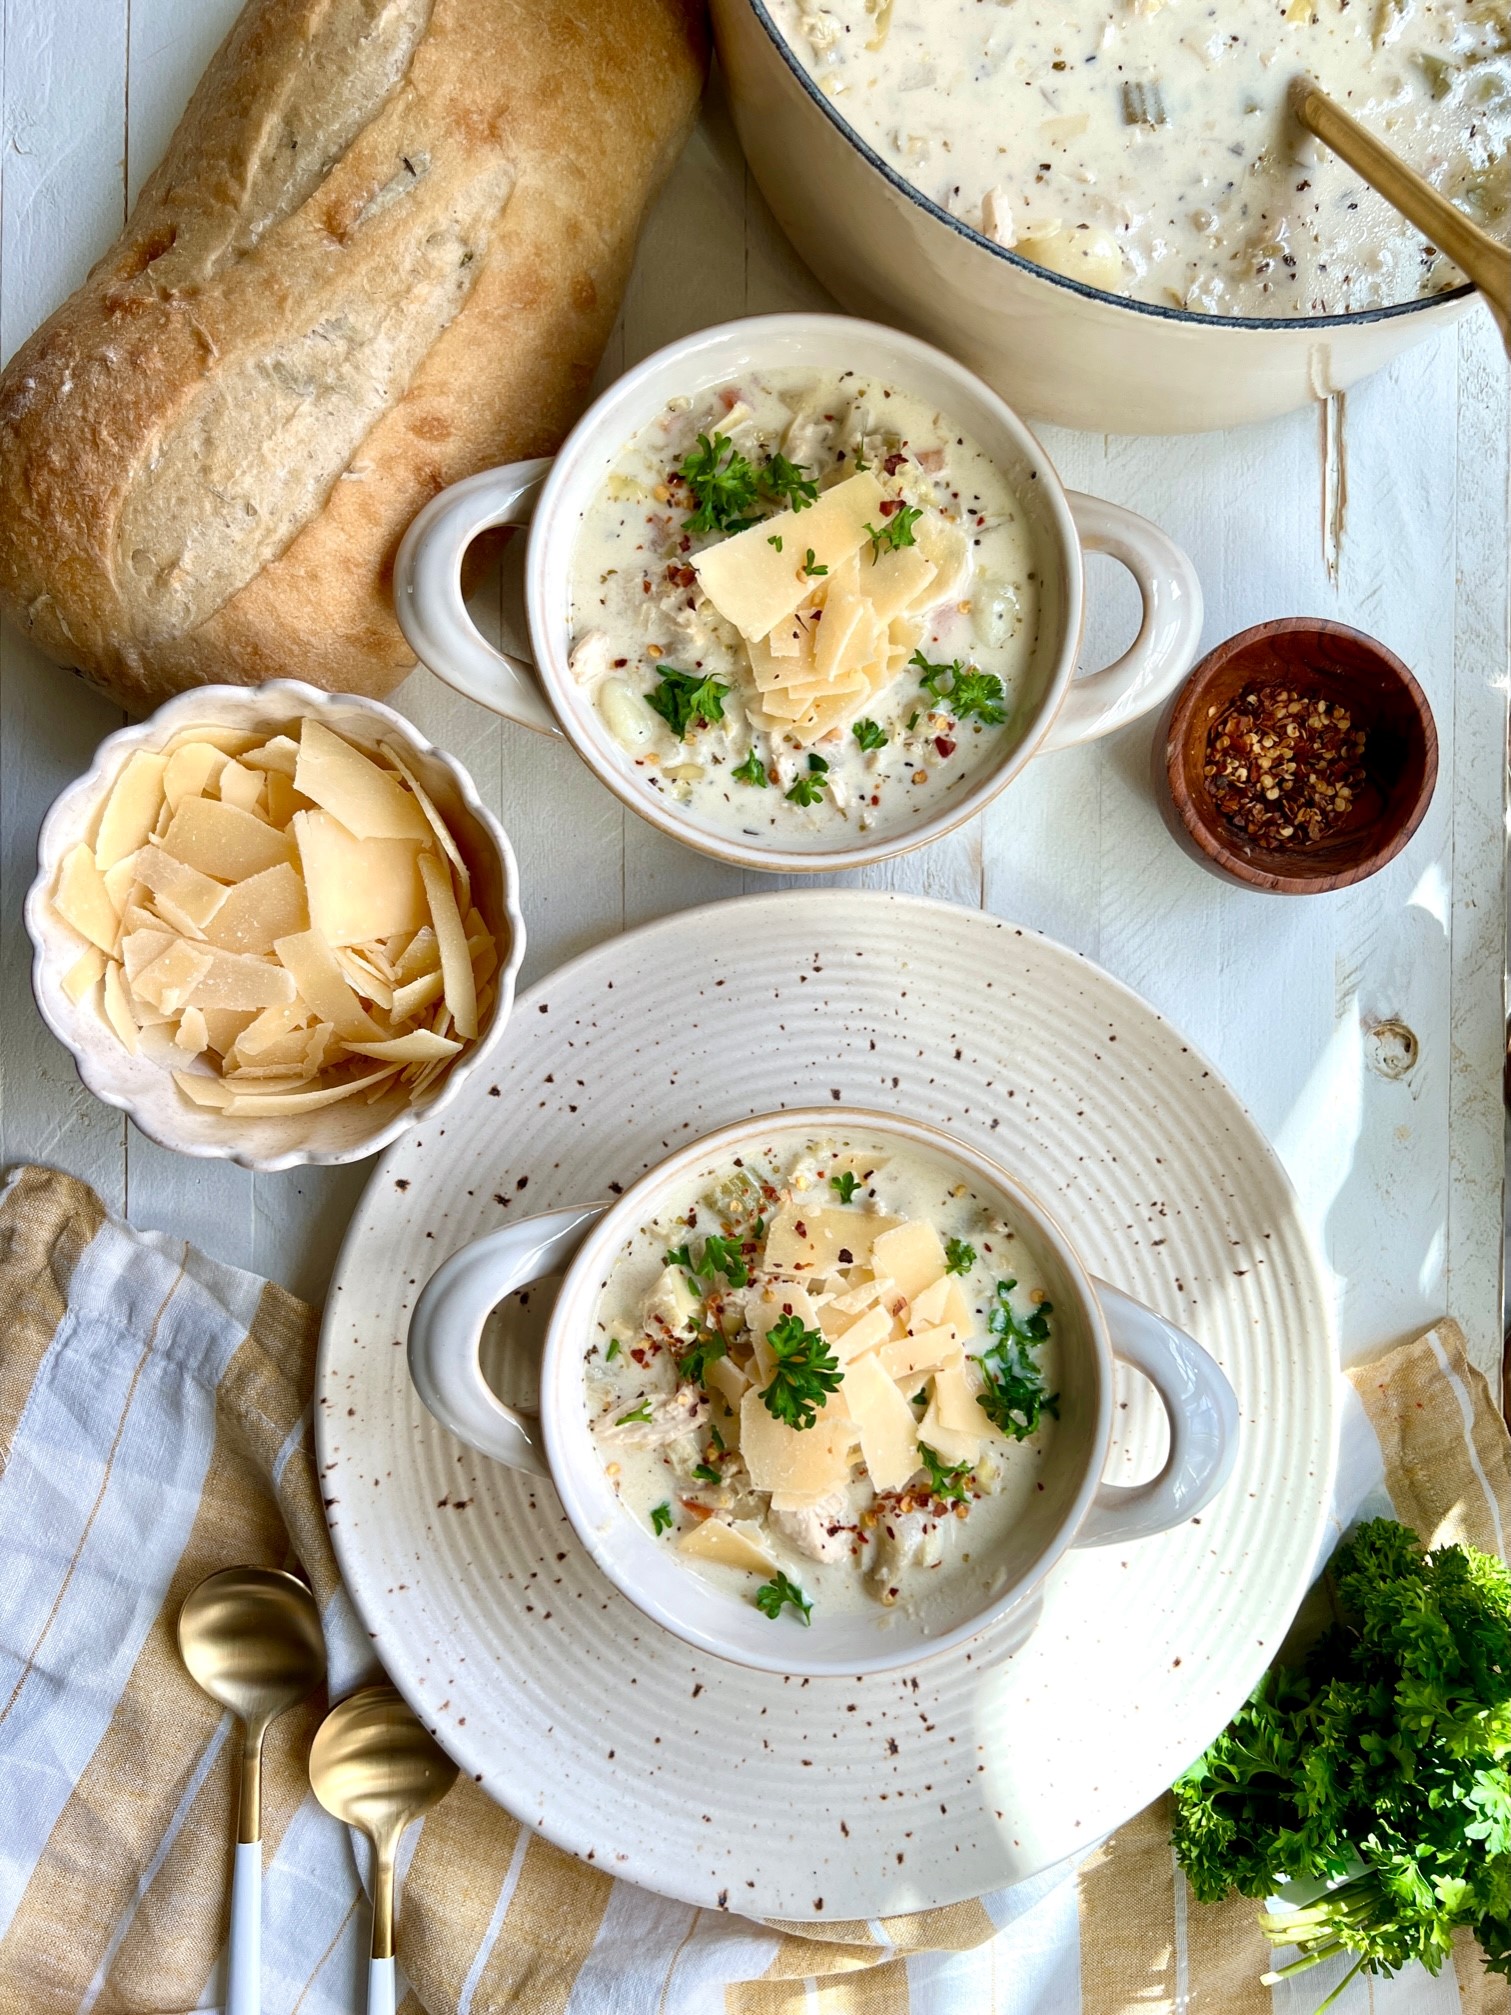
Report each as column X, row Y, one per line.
column 1379, row 1765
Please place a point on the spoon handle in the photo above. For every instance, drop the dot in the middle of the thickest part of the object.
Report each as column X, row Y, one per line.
column 244, row 1958
column 380, row 1986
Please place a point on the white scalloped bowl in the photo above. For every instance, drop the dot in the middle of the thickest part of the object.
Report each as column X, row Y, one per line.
column 144, row 1089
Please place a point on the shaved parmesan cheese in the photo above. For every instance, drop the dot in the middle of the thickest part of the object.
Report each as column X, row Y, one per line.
column 813, row 1240
column 730, row 1385
column 321, row 982
column 169, row 982
column 273, row 1025
column 83, row 973
column 419, row 1046
column 927, row 1350
column 357, row 889
column 279, row 756
column 954, row 1444
column 252, row 916
column 193, row 897
column 224, row 841
column 139, row 948
column 82, row 899
column 268, row 1105
column 121, row 881
column 456, row 962
column 888, row 1426
column 778, row 1457
column 231, row 741
column 753, row 583
column 896, row 579
column 954, row 1404
column 193, row 1036
column 118, row 1008
column 410, row 1000
column 732, row 1543
column 370, row 802
column 421, row 955
column 202, row 1089
column 191, row 771
column 437, row 824
column 241, row 787
column 911, row 1254
column 131, row 810
column 859, row 1335
column 943, row 1302
column 241, row 980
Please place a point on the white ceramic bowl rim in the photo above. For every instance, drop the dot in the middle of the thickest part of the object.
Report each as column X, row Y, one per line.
column 610, row 1532
column 1393, row 310
column 291, row 697
column 616, row 416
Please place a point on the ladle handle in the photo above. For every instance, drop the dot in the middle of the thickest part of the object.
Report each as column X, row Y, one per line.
column 244, row 1948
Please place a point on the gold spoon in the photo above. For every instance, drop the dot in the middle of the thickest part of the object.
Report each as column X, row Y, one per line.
column 374, row 1767
column 1482, row 258
column 251, row 1639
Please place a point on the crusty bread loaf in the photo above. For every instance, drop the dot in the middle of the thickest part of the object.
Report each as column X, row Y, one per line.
column 385, row 250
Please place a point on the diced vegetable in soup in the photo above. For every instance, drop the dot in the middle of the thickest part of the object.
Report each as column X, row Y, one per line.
column 804, row 607
column 827, row 1378
column 1146, row 148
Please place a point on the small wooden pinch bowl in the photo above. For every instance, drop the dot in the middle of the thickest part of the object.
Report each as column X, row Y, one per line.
column 1311, row 658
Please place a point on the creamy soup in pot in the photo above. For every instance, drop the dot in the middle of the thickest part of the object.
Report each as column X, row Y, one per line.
column 826, row 1376
column 1146, row 147
column 804, row 606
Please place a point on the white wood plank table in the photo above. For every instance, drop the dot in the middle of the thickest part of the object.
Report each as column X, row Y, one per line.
column 1399, row 527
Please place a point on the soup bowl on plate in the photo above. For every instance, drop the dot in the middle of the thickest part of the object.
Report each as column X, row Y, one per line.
column 802, row 592
column 826, row 1392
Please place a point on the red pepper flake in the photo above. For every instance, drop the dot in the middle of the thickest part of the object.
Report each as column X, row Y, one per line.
column 944, row 745
column 890, row 505
column 680, row 577
column 1284, row 768
column 892, row 464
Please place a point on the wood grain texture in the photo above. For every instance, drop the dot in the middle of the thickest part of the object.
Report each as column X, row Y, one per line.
column 1402, row 1176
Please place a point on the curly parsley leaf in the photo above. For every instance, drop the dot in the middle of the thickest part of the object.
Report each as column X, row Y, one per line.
column 694, row 1363
column 895, row 532
column 1014, row 1398
column 806, row 1372
column 844, row 1185
column 751, row 771
column 775, row 540
column 706, row 1473
column 684, row 700
column 869, row 734
column 774, row 1595
column 788, row 483
column 958, row 1256
column 970, row 695
column 723, row 483
column 722, row 1255
column 947, row 1481
column 810, row 565
column 641, row 1413
column 806, row 789
column 661, row 1519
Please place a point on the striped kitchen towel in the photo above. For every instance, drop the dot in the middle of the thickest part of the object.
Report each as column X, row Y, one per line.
column 155, row 1425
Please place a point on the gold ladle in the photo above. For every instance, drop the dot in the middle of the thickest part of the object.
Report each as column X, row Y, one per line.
column 375, row 1767
column 1476, row 254
column 251, row 1639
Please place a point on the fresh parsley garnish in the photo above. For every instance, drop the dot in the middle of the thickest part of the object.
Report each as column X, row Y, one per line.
column 612, row 1352
column 773, row 1596
column 958, row 1256
column 806, row 790
column 706, row 1473
column 694, row 1364
column 680, row 1255
column 811, row 567
column 683, row 699
column 722, row 1255
column 896, row 532
column 869, row 735
column 818, row 766
column 751, row 771
column 789, row 483
column 723, row 483
column 947, row 1481
column 971, row 694
column 912, row 722
column 806, row 1372
column 1015, row 1399
column 642, row 1412
column 844, row 1185
column 860, row 466
column 775, row 540
column 661, row 1519
column 1386, row 1747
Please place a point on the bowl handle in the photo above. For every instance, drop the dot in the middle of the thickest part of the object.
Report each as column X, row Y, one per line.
column 1165, row 648
column 1203, row 1414
column 446, row 1330
column 427, row 592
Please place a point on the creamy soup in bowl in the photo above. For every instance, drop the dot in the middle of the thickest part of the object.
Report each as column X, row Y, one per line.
column 802, row 592
column 825, row 1392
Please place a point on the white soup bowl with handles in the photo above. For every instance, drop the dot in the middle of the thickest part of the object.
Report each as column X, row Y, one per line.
column 1096, row 1328
column 1058, row 705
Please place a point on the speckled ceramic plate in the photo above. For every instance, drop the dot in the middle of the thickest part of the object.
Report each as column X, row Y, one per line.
column 834, row 1798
